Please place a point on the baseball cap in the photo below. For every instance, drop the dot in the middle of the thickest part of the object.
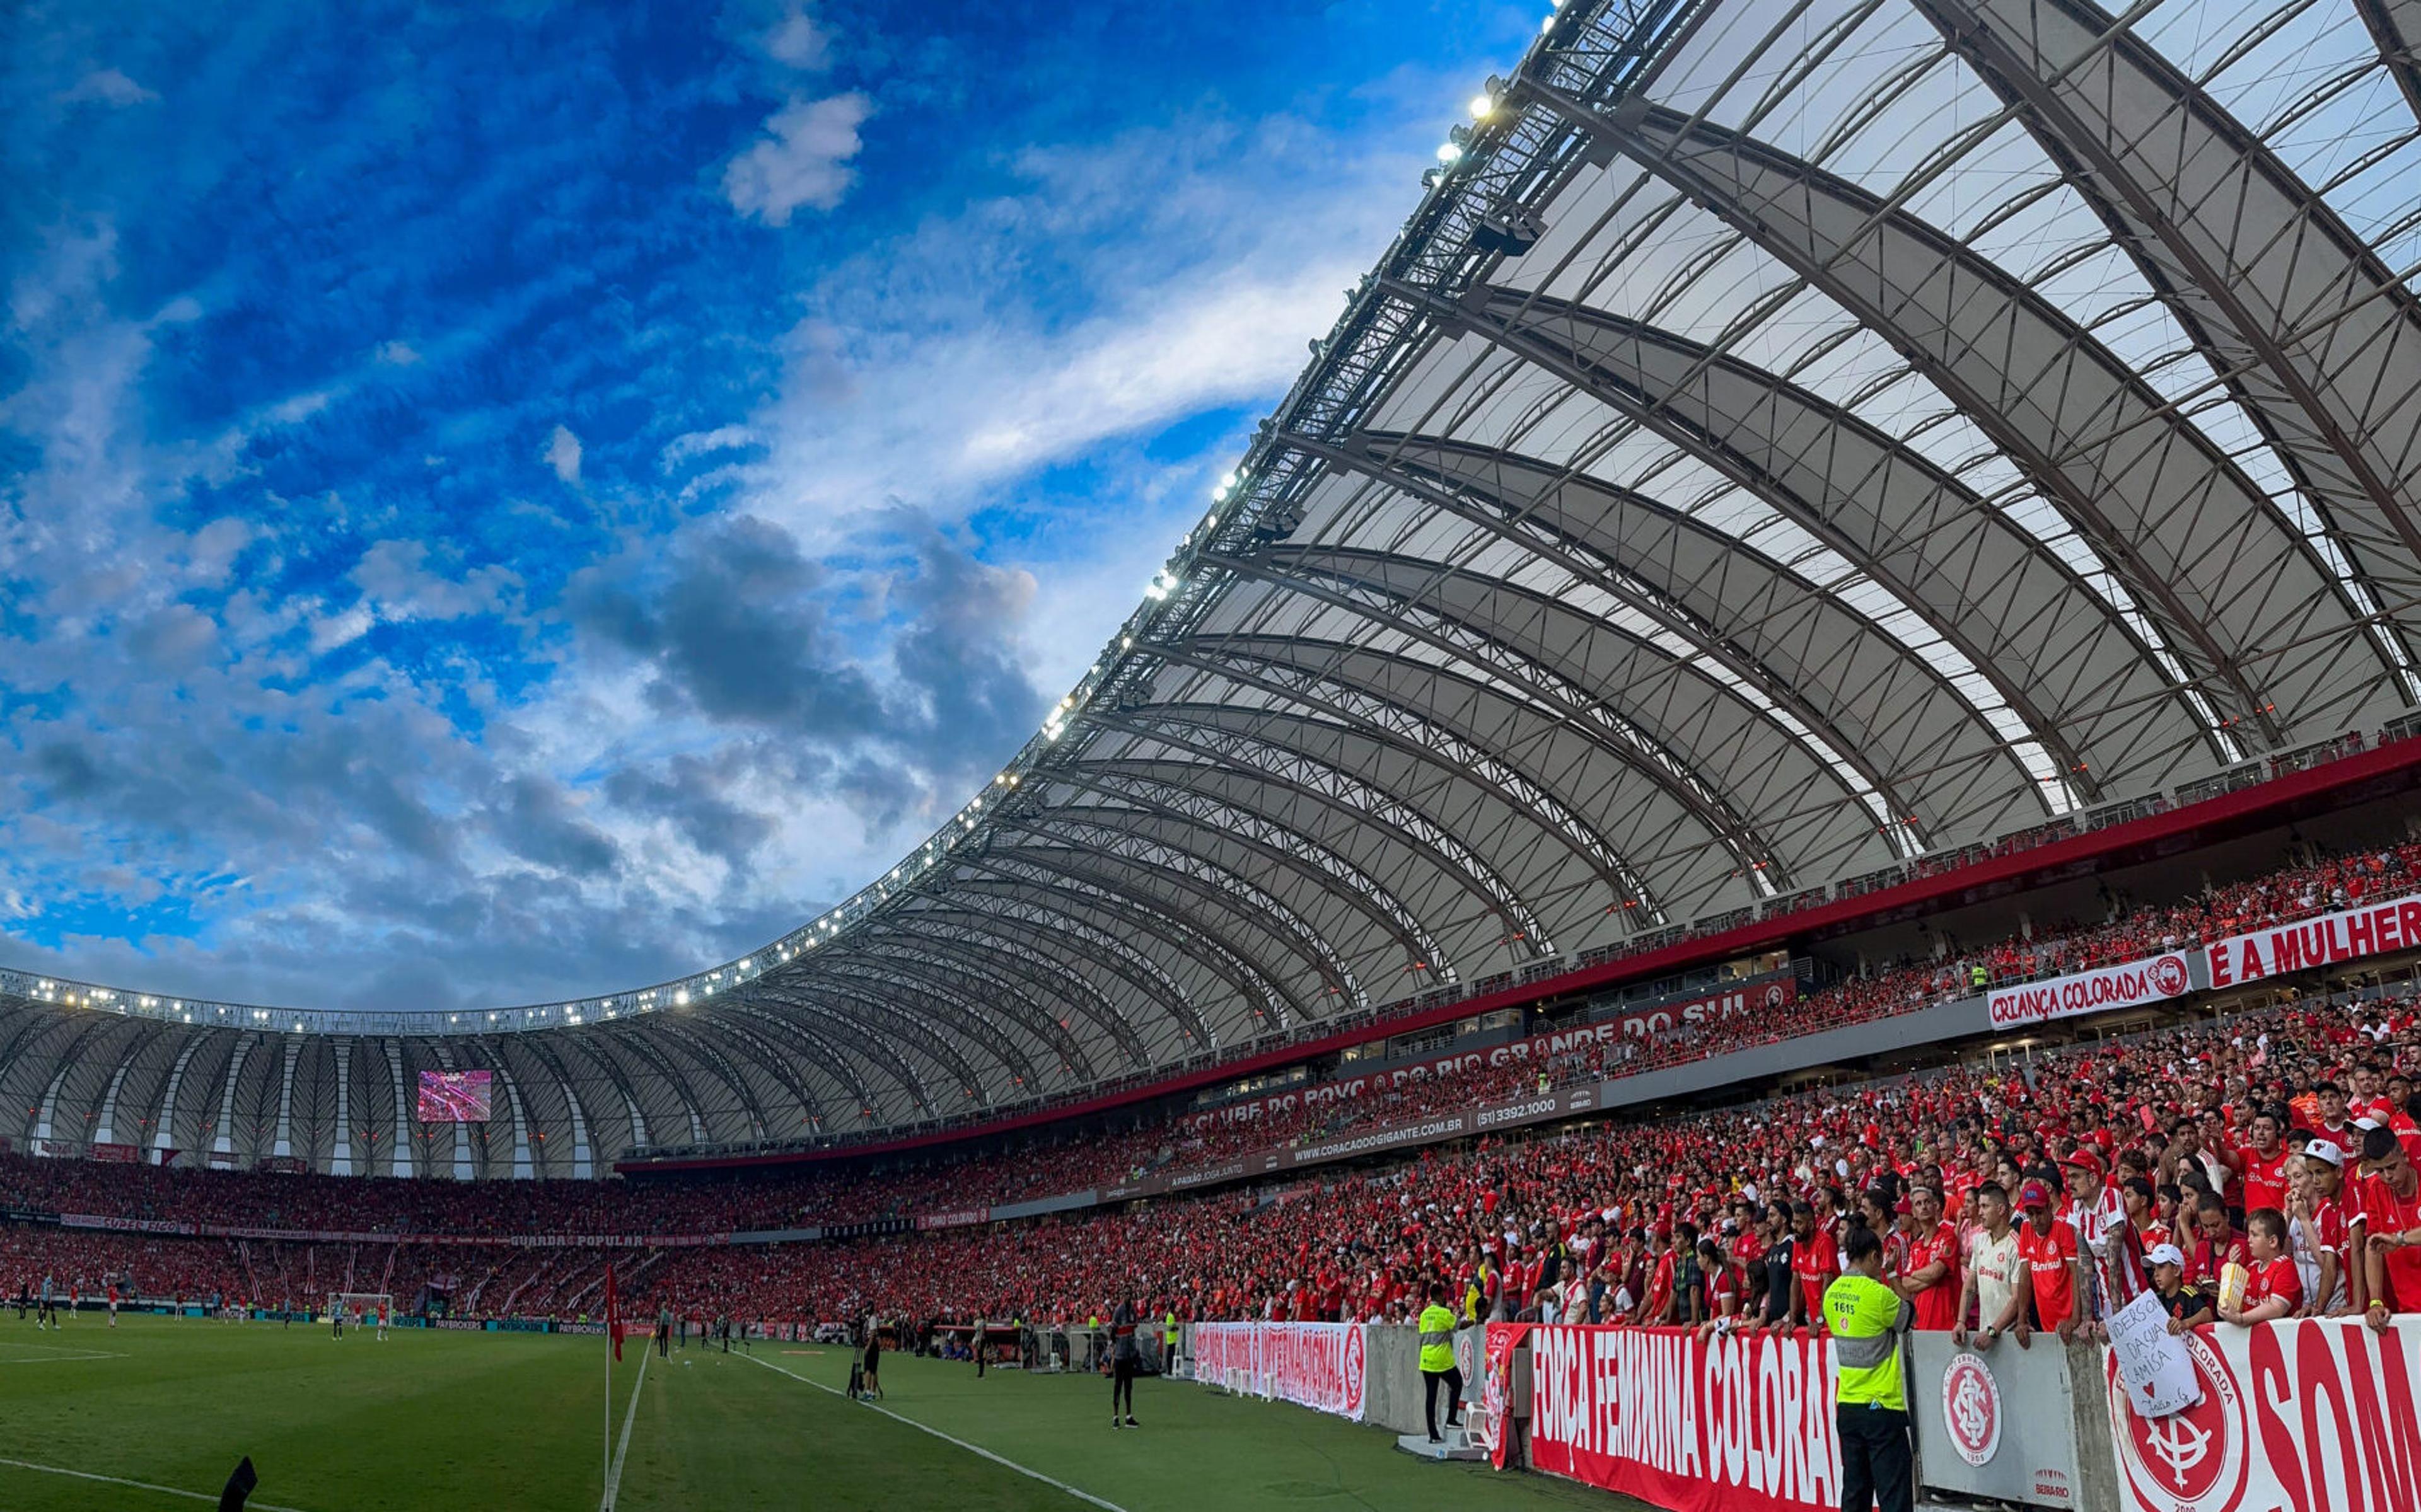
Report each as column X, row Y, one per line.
column 2324, row 1150
column 2085, row 1158
column 2166, row 1255
column 2033, row 1194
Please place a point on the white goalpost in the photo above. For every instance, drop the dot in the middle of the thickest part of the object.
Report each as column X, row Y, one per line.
column 362, row 1307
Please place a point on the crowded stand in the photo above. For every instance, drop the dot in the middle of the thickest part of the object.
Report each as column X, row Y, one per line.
column 2209, row 1119
column 1609, row 1220
column 1070, row 1161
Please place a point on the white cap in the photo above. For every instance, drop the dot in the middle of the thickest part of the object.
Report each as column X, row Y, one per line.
column 2323, row 1150
column 2166, row 1255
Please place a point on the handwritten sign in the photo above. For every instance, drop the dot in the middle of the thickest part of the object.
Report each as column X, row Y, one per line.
column 2153, row 1365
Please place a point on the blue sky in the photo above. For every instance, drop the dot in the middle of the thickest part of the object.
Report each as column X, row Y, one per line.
column 512, row 502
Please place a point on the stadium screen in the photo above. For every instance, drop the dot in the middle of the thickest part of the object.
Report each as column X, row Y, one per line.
column 454, row 1097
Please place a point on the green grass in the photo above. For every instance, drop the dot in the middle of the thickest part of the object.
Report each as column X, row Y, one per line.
column 438, row 1422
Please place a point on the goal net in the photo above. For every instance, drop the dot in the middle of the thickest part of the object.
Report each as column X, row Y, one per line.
column 361, row 1306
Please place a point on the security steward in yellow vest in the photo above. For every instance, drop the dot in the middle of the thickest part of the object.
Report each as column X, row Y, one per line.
column 1437, row 1364
column 1168, row 1344
column 1869, row 1323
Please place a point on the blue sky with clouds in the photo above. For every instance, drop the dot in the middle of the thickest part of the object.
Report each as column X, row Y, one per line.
column 512, row 501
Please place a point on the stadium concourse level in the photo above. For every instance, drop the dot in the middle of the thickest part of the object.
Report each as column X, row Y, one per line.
column 1356, row 1247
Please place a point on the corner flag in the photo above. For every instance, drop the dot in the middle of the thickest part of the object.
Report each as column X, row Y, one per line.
column 613, row 1312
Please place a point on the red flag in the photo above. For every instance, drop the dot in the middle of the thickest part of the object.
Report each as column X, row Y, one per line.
column 613, row 1314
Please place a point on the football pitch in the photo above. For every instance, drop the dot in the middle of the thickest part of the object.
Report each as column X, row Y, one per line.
column 156, row 1413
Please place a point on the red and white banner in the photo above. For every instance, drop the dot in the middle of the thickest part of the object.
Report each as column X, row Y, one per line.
column 124, row 1154
column 2305, row 1416
column 1763, row 994
column 2373, row 929
column 1743, row 1425
column 2160, row 977
column 125, row 1225
column 1319, row 1365
column 1496, row 1385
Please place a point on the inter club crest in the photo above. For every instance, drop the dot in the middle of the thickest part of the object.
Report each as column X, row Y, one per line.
column 1971, row 1407
column 2189, row 1461
column 1354, row 1365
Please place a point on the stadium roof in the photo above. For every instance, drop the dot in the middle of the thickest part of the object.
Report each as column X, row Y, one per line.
column 1785, row 440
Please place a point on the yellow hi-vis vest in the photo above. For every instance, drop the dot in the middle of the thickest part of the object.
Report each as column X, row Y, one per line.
column 1172, row 1329
column 1867, row 1319
column 1437, row 1338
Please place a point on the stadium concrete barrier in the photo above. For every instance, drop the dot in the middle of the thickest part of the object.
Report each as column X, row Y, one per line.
column 1392, row 1396
column 1945, row 1021
column 2027, row 1427
column 778, row 1235
column 1064, row 1202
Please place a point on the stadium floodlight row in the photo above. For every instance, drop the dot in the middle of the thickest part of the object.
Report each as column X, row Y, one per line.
column 1785, row 447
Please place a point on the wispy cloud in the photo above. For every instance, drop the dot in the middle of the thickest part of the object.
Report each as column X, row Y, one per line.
column 797, row 42
column 110, row 87
column 563, row 453
column 1119, row 287
column 802, row 158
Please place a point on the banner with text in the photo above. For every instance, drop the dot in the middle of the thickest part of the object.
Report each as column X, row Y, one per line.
column 2373, row 929
column 125, row 1225
column 1741, row 1424
column 2137, row 982
column 2304, row 1414
column 1319, row 1365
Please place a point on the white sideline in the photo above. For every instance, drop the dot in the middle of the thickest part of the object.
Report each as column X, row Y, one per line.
column 971, row 1448
column 614, row 1478
column 79, row 1351
column 60, row 1359
column 138, row 1485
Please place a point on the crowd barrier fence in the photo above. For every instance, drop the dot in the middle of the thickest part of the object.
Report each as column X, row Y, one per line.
column 2301, row 1413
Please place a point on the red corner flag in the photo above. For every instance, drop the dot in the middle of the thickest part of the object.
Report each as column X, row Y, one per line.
column 613, row 1314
